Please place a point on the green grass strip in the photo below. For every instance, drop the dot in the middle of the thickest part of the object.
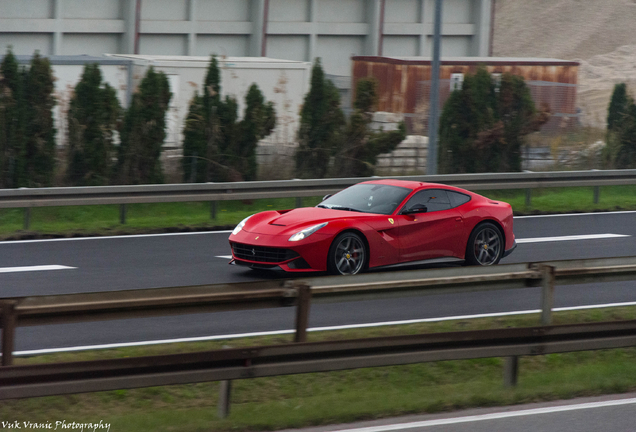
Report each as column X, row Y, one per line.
column 104, row 219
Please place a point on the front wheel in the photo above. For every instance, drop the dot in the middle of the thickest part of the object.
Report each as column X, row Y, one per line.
column 347, row 254
column 485, row 245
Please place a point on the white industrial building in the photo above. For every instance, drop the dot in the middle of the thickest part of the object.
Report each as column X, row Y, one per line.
column 284, row 82
column 286, row 29
column 269, row 42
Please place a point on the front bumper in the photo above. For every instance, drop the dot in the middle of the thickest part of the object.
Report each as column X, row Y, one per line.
column 275, row 252
column 511, row 250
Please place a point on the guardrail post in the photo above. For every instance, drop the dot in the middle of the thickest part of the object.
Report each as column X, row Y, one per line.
column 528, row 197
column 225, row 392
column 212, row 209
column 302, row 312
column 122, row 214
column 597, row 192
column 8, row 331
column 299, row 202
column 547, row 293
column 27, row 218
column 511, row 371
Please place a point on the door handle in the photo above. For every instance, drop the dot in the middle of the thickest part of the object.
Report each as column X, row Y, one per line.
column 458, row 219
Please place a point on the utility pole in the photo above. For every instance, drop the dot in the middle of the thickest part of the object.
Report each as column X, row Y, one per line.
column 433, row 118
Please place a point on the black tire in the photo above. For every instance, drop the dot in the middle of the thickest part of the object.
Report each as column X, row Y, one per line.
column 485, row 245
column 347, row 255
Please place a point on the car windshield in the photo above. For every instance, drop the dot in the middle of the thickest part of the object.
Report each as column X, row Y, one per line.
column 367, row 198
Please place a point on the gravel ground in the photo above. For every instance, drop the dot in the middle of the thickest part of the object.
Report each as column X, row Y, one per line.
column 601, row 34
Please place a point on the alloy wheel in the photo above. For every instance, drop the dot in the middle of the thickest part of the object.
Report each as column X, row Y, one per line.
column 487, row 246
column 350, row 255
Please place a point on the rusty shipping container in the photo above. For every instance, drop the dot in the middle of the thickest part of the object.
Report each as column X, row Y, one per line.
column 404, row 82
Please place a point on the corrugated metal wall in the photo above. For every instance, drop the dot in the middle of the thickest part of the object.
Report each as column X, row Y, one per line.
column 404, row 84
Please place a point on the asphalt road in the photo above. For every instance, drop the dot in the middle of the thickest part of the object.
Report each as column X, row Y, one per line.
column 104, row 264
column 605, row 413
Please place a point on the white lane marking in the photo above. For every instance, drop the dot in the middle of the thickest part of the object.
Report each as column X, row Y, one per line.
column 538, row 239
column 493, row 416
column 575, row 214
column 34, row 268
column 570, row 237
column 313, row 329
column 113, row 237
column 229, row 231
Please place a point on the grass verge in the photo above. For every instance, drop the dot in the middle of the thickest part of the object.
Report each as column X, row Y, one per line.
column 167, row 217
column 325, row 398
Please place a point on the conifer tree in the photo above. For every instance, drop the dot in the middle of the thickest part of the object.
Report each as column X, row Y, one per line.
column 321, row 124
column 92, row 120
column 626, row 155
column 194, row 142
column 258, row 122
column 12, row 123
column 482, row 129
column 217, row 146
column 144, row 131
column 620, row 151
column 39, row 162
column 618, row 107
column 357, row 156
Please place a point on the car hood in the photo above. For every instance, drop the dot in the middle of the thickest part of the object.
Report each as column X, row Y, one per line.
column 292, row 221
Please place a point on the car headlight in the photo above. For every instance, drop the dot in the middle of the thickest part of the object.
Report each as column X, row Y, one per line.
column 240, row 226
column 307, row 232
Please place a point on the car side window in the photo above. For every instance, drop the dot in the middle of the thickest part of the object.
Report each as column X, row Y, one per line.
column 433, row 199
column 457, row 198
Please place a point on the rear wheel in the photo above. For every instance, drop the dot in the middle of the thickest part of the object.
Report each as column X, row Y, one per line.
column 485, row 245
column 347, row 254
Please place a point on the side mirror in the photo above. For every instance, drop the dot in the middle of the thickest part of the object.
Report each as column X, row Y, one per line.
column 327, row 196
column 417, row 208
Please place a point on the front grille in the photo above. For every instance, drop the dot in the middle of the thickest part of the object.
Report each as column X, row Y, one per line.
column 262, row 253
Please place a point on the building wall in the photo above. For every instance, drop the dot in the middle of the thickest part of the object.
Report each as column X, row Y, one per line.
column 400, row 80
column 404, row 84
column 287, row 29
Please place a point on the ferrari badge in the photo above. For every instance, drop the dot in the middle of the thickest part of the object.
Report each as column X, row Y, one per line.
column 391, row 220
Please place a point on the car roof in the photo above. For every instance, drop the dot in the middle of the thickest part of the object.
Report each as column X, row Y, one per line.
column 412, row 184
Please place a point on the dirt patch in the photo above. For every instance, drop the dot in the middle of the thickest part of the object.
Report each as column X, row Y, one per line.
column 598, row 33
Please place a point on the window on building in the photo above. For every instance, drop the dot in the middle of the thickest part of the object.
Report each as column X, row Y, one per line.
column 496, row 79
column 457, row 81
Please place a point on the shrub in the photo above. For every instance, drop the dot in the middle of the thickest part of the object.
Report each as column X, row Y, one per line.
column 482, row 128
column 39, row 155
column 12, row 123
column 217, row 146
column 144, row 131
column 321, row 126
column 93, row 118
column 357, row 154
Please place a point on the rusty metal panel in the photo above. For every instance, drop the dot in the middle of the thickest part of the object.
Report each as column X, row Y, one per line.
column 414, row 75
column 360, row 69
column 382, row 72
column 397, row 95
column 405, row 83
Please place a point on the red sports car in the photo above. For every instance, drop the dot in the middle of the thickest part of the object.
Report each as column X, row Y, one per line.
column 376, row 224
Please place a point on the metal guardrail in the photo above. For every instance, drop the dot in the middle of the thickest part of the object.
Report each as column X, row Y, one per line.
column 213, row 192
column 287, row 359
column 251, row 362
column 57, row 309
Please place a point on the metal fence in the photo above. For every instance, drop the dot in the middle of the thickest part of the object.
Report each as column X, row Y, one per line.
column 213, row 192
